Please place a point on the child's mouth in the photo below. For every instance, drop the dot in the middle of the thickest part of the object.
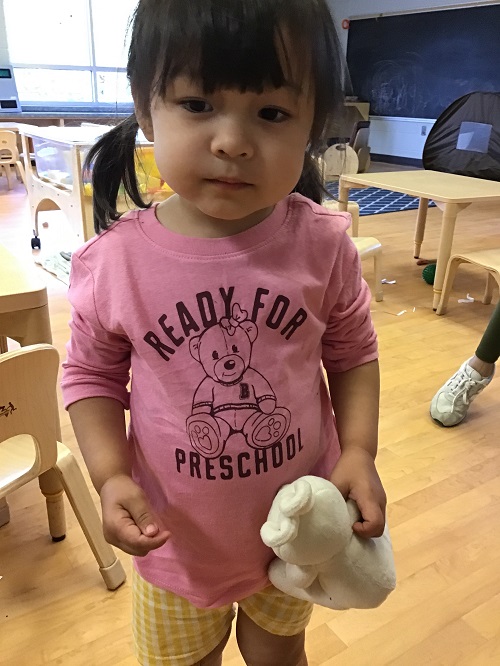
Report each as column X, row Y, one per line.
column 229, row 184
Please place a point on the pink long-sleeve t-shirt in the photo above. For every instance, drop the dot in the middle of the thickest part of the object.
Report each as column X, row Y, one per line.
column 224, row 339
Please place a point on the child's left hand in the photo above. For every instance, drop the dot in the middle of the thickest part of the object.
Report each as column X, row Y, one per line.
column 356, row 476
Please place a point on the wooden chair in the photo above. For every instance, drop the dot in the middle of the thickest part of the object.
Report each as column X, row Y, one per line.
column 352, row 156
column 487, row 259
column 359, row 143
column 9, row 156
column 352, row 209
column 367, row 246
column 339, row 159
column 24, row 314
column 29, row 449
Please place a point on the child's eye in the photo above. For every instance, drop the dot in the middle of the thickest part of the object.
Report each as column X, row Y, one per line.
column 273, row 114
column 196, row 105
column 215, row 356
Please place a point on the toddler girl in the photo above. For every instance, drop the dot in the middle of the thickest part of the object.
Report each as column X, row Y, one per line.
column 222, row 302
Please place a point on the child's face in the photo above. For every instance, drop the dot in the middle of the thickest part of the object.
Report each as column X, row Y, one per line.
column 231, row 154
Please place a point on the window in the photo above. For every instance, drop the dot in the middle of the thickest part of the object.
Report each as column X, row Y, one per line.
column 474, row 137
column 69, row 52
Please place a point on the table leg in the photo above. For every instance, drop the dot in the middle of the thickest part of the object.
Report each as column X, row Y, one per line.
column 423, row 206
column 445, row 243
column 343, row 197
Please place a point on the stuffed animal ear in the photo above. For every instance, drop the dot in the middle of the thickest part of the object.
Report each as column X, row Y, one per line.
column 297, row 499
column 275, row 535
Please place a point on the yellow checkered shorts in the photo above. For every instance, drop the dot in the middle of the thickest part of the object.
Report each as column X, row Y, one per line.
column 170, row 631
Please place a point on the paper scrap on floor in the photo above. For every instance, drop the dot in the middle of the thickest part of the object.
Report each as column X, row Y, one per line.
column 55, row 264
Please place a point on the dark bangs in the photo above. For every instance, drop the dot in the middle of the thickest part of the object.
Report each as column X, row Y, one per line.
column 246, row 45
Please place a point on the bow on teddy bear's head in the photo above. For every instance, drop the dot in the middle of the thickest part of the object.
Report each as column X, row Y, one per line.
column 238, row 317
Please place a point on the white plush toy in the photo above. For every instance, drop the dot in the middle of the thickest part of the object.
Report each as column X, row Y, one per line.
column 320, row 558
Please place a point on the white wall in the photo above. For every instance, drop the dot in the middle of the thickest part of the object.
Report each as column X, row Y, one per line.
column 399, row 137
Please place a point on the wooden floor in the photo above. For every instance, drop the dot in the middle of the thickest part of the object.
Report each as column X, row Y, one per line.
column 443, row 487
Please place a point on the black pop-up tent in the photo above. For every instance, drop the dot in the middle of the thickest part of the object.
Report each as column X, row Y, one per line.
column 466, row 138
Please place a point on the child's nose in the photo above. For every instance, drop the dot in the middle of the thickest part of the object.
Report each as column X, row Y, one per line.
column 232, row 141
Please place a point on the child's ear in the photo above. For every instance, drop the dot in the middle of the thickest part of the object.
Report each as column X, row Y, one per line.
column 144, row 121
column 146, row 125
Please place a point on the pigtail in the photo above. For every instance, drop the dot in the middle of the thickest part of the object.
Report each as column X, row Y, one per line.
column 311, row 183
column 112, row 162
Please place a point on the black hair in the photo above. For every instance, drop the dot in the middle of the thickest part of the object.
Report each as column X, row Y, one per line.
column 222, row 44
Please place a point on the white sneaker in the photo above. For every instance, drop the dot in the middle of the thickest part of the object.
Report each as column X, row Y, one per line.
column 450, row 404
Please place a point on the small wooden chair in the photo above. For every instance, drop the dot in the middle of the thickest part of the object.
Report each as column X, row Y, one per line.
column 487, row 259
column 338, row 159
column 29, row 449
column 9, row 156
column 367, row 246
column 359, row 143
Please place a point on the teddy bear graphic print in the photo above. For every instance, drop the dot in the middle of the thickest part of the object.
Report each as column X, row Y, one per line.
column 233, row 398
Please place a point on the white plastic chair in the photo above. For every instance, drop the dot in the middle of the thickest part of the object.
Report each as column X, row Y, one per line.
column 29, row 449
column 9, row 156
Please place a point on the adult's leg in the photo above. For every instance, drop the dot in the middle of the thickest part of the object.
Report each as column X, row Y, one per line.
column 488, row 350
column 451, row 403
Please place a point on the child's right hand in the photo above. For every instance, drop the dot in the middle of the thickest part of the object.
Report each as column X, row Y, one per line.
column 128, row 521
